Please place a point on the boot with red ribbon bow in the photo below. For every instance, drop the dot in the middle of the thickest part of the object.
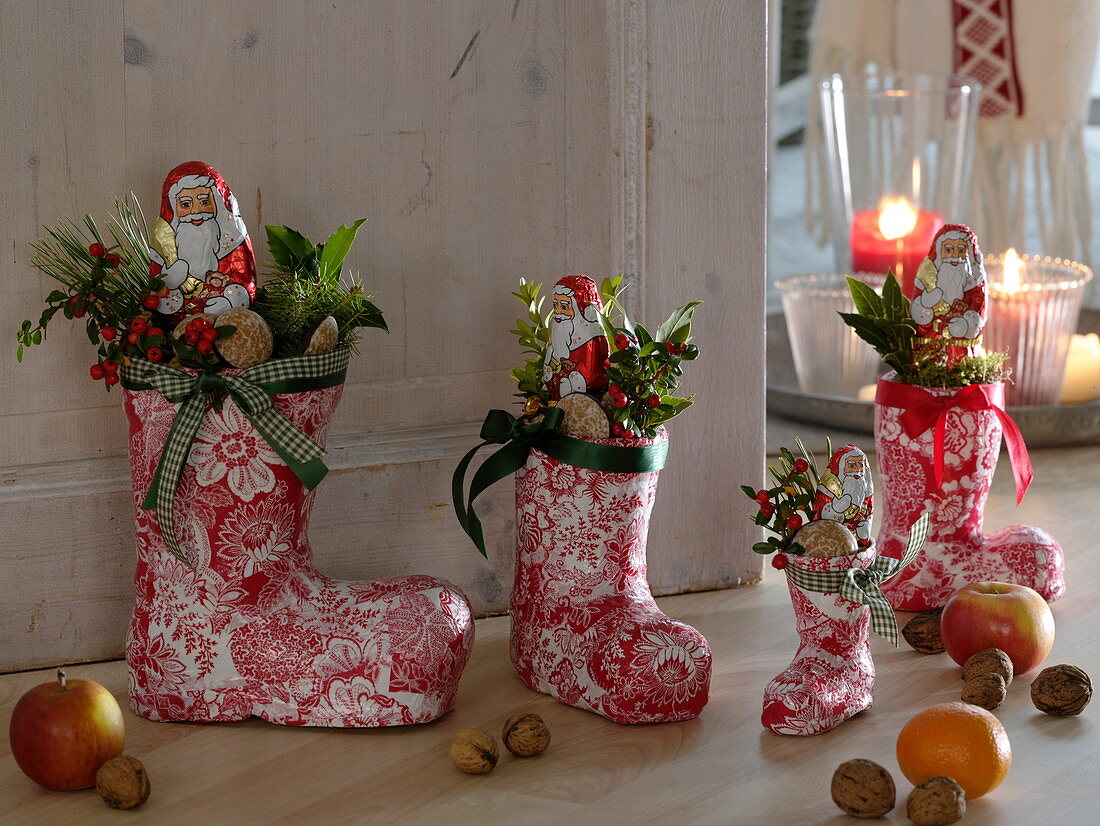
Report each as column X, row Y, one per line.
column 937, row 450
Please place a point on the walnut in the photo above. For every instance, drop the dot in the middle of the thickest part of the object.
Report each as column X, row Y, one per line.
column 1061, row 690
column 922, row 632
column 863, row 788
column 474, row 751
column 826, row 539
column 989, row 661
column 986, row 690
column 525, row 735
column 122, row 782
column 938, row 801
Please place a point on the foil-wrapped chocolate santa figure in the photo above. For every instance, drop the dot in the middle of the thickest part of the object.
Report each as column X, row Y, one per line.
column 949, row 305
column 845, row 492
column 578, row 347
column 200, row 245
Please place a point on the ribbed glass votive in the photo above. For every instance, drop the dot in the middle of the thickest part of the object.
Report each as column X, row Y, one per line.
column 829, row 358
column 1033, row 318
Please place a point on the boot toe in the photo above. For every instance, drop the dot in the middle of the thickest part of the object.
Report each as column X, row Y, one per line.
column 655, row 670
column 1029, row 556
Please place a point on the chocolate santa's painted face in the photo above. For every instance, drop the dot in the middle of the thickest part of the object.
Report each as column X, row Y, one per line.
column 195, row 205
column 846, row 492
column 575, row 358
column 949, row 305
column 200, row 247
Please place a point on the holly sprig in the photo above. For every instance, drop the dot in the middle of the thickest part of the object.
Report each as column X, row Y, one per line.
column 643, row 368
column 789, row 504
column 534, row 337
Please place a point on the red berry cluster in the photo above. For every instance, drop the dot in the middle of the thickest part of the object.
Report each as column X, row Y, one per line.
column 201, row 333
column 105, row 371
column 784, row 509
column 617, row 396
column 110, row 260
column 644, row 374
column 145, row 339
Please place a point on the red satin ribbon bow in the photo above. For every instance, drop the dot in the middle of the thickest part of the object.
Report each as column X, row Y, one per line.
column 924, row 410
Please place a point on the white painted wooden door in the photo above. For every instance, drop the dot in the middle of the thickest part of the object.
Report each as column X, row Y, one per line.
column 484, row 140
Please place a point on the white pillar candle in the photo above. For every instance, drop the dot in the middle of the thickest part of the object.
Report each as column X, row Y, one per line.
column 1081, row 382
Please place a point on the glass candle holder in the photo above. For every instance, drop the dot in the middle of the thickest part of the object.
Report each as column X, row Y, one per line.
column 829, row 358
column 1033, row 310
column 899, row 150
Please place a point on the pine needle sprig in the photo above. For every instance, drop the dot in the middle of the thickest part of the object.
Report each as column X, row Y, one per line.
column 788, row 504
column 105, row 279
column 307, row 282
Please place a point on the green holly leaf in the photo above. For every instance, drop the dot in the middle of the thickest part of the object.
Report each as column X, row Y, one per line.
column 333, row 252
column 290, row 248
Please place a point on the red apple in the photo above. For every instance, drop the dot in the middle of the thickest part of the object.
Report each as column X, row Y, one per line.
column 1013, row 618
column 63, row 731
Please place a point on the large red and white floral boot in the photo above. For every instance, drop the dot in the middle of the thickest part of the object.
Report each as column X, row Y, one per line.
column 832, row 674
column 585, row 628
column 956, row 551
column 253, row 628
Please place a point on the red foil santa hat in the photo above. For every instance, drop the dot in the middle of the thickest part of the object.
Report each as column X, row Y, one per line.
column 198, row 174
column 957, row 231
column 583, row 291
column 838, row 457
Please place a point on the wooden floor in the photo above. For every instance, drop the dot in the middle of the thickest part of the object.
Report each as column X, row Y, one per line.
column 720, row 768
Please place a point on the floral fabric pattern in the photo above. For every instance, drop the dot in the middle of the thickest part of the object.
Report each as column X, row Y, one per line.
column 832, row 675
column 956, row 551
column 585, row 628
column 253, row 628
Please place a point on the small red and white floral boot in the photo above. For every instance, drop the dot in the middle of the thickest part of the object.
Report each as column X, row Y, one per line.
column 253, row 628
column 585, row 627
column 832, row 675
column 956, row 551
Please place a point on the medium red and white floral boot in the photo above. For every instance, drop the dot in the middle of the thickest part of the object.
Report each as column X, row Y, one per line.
column 585, row 628
column 832, row 674
column 956, row 551
column 253, row 628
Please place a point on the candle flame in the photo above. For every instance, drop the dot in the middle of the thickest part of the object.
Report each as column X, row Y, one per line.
column 896, row 218
column 1010, row 270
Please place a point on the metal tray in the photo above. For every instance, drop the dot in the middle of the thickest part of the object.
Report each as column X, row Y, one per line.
column 1052, row 426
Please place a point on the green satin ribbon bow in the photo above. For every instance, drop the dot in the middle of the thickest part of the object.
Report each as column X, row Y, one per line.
column 518, row 437
column 252, row 390
column 861, row 585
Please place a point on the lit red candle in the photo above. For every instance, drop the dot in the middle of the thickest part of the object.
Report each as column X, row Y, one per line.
column 894, row 237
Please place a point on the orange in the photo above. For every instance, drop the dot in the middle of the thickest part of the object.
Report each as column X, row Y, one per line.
column 955, row 740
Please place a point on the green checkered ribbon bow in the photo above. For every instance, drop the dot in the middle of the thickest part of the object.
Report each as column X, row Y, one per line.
column 862, row 585
column 518, row 437
column 252, row 390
